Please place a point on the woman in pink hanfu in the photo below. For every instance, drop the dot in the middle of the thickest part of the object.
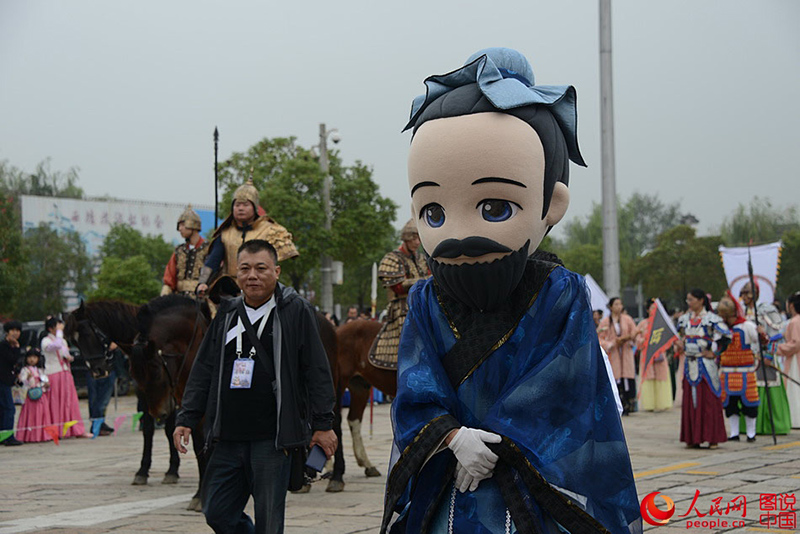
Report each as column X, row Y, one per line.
column 617, row 334
column 35, row 413
column 64, row 406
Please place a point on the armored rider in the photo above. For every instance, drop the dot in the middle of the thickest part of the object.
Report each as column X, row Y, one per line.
column 243, row 224
column 183, row 270
column 398, row 271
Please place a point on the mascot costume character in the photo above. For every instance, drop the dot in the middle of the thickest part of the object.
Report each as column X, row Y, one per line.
column 505, row 419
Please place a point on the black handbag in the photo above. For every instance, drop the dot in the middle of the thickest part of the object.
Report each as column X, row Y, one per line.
column 297, row 473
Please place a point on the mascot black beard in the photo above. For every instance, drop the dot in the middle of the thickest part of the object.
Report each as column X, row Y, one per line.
column 505, row 418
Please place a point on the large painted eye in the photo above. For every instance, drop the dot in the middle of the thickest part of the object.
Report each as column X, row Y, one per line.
column 433, row 215
column 494, row 210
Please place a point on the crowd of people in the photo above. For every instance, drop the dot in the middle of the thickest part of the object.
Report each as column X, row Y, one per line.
column 723, row 365
column 44, row 375
column 264, row 349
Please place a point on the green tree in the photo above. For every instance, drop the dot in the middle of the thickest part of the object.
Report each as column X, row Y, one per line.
column 584, row 259
column 290, row 183
column 640, row 220
column 56, row 263
column 42, row 182
column 680, row 262
column 789, row 274
column 12, row 258
column 20, row 276
column 123, row 242
column 129, row 280
column 758, row 222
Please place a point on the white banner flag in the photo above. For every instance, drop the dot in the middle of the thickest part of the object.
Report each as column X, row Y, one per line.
column 766, row 263
column 597, row 296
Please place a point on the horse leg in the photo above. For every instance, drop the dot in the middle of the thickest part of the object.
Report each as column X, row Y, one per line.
column 171, row 476
column 198, row 443
column 359, row 395
column 148, row 429
column 336, row 483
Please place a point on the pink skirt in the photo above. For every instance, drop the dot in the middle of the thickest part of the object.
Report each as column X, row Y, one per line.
column 64, row 406
column 35, row 415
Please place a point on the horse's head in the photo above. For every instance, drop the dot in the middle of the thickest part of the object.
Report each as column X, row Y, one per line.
column 80, row 332
column 152, row 372
column 170, row 331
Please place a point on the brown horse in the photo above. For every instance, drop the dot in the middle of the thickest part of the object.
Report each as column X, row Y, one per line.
column 161, row 339
column 354, row 370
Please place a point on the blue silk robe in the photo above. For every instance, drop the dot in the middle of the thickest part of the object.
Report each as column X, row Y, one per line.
column 544, row 387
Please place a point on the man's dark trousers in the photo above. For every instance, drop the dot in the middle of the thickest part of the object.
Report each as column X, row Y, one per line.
column 100, row 391
column 236, row 470
column 7, row 408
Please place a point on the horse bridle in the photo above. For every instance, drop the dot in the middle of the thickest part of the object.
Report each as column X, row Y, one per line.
column 164, row 355
column 104, row 340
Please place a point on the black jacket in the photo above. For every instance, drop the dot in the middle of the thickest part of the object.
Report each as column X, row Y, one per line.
column 9, row 358
column 303, row 388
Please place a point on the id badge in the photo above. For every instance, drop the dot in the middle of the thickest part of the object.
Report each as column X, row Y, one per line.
column 242, row 376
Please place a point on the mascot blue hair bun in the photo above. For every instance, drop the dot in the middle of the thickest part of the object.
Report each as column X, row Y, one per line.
column 505, row 419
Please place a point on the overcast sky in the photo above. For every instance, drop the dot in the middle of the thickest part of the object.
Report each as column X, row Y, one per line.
column 706, row 93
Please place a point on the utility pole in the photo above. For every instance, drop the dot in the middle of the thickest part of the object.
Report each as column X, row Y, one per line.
column 611, row 277
column 327, row 274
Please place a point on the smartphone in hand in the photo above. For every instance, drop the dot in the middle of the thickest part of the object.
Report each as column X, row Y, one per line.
column 316, row 458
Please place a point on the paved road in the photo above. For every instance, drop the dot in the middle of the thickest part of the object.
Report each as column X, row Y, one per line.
column 83, row 486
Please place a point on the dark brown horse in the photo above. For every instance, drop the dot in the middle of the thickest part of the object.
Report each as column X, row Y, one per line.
column 161, row 339
column 354, row 370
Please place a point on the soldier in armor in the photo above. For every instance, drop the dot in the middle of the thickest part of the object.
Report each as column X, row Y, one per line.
column 770, row 324
column 243, row 224
column 183, row 270
column 398, row 271
column 738, row 370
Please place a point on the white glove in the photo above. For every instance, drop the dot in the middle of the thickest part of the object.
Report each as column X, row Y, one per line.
column 469, row 447
column 465, row 481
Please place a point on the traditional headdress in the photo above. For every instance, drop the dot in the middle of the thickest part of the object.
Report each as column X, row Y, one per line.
column 755, row 293
column 505, row 77
column 409, row 230
column 247, row 192
column 190, row 219
column 729, row 307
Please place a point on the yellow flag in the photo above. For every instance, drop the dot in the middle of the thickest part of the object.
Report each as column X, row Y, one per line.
column 68, row 425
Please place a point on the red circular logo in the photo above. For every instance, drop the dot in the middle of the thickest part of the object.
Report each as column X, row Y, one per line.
column 654, row 515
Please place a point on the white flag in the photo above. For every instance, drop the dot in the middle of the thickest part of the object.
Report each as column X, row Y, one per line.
column 766, row 263
column 597, row 296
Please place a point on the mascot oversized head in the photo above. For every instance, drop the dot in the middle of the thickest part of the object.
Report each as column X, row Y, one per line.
column 488, row 172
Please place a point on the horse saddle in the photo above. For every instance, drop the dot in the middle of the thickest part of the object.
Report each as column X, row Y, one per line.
column 224, row 287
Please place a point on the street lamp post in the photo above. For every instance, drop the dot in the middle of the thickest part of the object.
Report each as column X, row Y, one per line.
column 611, row 275
column 327, row 269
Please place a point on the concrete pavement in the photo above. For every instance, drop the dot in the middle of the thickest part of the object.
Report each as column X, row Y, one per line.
column 83, row 486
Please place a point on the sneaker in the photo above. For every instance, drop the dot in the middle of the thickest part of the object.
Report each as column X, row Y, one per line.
column 751, row 440
column 12, row 442
column 734, row 438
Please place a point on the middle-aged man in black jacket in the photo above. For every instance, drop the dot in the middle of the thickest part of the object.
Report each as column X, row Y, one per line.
column 10, row 355
column 259, row 402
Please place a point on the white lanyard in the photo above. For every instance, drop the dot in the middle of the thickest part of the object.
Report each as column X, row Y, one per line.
column 453, row 509
column 240, row 329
